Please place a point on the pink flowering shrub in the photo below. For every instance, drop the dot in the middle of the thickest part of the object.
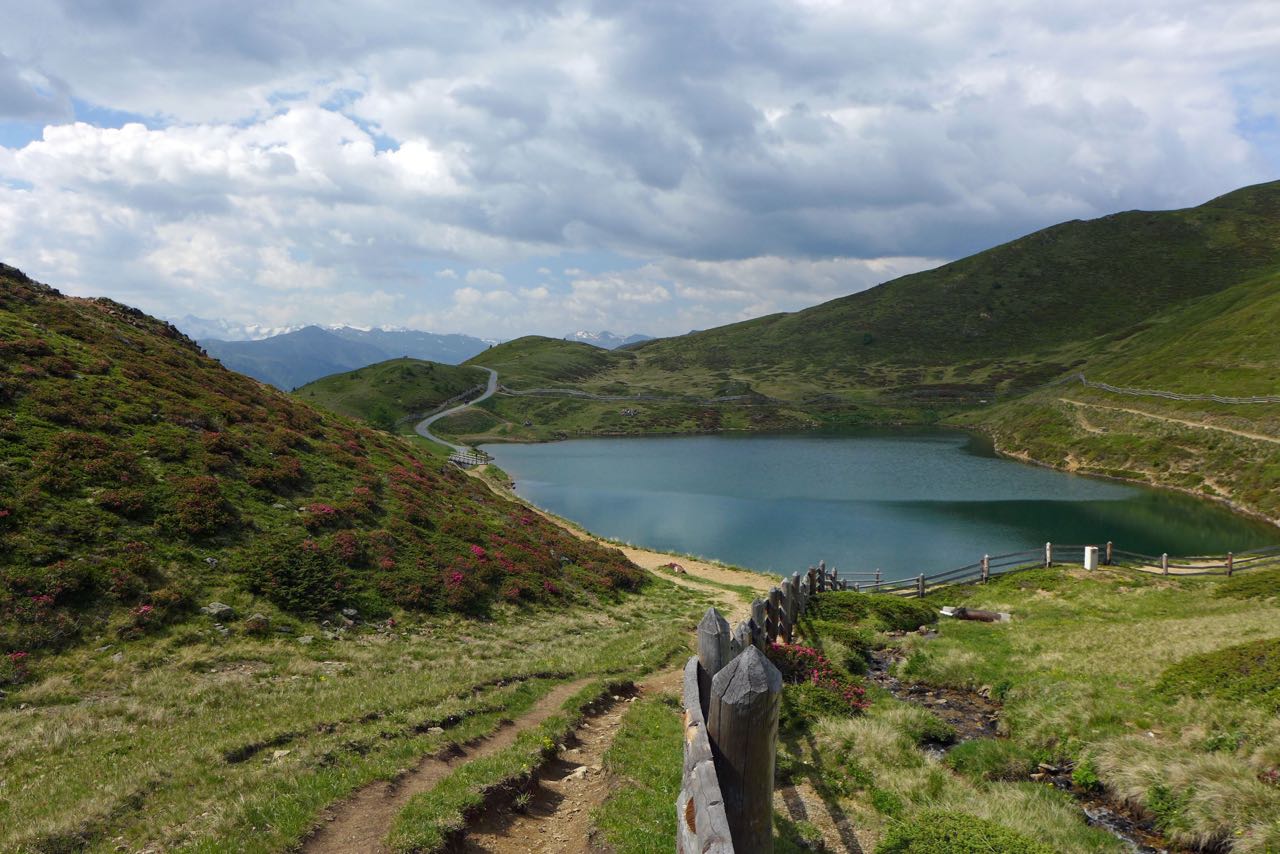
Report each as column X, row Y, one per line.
column 13, row 668
column 825, row 689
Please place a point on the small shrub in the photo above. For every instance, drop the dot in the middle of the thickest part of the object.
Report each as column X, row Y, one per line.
column 942, row 832
column 301, row 578
column 1167, row 806
column 1085, row 774
column 1262, row 584
column 14, row 669
column 200, row 509
column 815, row 687
column 877, row 611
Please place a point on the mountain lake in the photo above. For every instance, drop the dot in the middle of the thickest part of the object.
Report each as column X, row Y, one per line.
column 903, row 500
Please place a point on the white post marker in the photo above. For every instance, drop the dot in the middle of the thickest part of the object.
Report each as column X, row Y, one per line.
column 1091, row 558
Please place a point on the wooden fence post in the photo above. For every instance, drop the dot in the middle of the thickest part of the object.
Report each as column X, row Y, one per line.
column 986, row 568
column 1231, row 561
column 779, row 614
column 877, row 579
column 1164, row 564
column 835, row 579
column 741, row 638
column 920, row 585
column 813, row 580
column 743, row 727
column 713, row 651
column 822, row 576
column 1107, row 562
column 758, row 617
column 1048, row 555
column 770, row 619
column 793, row 605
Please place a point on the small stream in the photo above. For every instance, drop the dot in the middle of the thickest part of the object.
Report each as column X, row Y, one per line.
column 972, row 715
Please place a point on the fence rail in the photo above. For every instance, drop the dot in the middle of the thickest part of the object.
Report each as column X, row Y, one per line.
column 1054, row 554
column 1170, row 395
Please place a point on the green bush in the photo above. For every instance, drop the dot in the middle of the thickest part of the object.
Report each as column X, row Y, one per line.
column 860, row 640
column 940, row 832
column 805, row 702
column 301, row 578
column 875, row 610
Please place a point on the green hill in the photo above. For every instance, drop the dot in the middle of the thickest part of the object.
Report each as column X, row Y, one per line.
column 1224, row 344
column 534, row 361
column 139, row 478
column 1010, row 316
column 387, row 392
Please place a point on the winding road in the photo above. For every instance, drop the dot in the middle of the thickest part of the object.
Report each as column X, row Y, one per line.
column 423, row 427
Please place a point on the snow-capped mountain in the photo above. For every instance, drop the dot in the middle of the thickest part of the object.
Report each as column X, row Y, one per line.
column 606, row 339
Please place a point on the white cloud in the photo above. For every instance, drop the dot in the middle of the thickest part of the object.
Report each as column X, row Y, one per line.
column 712, row 161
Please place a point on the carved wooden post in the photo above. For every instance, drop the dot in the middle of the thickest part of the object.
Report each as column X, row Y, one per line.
column 770, row 619
column 713, row 650
column 1048, row 555
column 1164, row 564
column 742, row 723
column 920, row 585
column 1231, row 561
column 813, row 580
column 986, row 568
column 1107, row 562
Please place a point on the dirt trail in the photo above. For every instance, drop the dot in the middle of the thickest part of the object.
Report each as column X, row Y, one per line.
column 557, row 817
column 1256, row 436
column 360, row 823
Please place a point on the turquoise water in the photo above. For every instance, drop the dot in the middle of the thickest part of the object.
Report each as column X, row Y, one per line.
column 904, row 501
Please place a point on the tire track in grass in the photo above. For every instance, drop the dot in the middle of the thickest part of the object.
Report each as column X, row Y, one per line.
column 361, row 822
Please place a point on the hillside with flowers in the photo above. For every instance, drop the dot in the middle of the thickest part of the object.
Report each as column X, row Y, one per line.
column 139, row 479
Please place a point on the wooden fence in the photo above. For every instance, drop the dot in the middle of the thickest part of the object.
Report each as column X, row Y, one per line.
column 732, row 695
column 1088, row 556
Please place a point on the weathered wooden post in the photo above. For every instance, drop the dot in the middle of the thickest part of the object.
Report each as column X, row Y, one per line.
column 1048, row 555
column 742, row 723
column 758, row 630
column 713, row 650
column 877, row 579
column 1231, row 561
column 1107, row 562
column 835, row 579
column 770, row 619
column 920, row 585
column 1164, row 564
column 793, row 605
column 779, row 614
column 813, row 580
column 986, row 568
column 701, row 824
column 741, row 638
column 822, row 576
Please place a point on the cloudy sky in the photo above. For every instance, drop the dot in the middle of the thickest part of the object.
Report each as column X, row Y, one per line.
column 510, row 167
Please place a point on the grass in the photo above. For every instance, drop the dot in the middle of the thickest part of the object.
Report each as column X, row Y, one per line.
column 430, row 819
column 135, row 751
column 1245, row 673
column 1078, row 671
column 385, row 393
column 645, row 758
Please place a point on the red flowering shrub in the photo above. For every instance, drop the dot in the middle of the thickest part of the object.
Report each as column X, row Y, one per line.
column 14, row 668
column 125, row 502
column 805, row 666
column 200, row 509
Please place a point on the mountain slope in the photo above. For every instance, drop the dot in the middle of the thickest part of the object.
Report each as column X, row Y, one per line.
column 1022, row 308
column 138, row 476
column 534, row 361
column 384, row 393
column 295, row 358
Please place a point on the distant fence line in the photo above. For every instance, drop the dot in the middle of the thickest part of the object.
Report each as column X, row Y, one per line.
column 1055, row 555
column 651, row 398
column 1169, row 395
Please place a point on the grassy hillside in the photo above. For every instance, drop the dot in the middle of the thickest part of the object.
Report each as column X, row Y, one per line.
column 384, row 393
column 1223, row 344
column 537, row 362
column 138, row 478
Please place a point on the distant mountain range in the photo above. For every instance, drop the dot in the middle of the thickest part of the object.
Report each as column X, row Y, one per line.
column 297, row 357
column 606, row 339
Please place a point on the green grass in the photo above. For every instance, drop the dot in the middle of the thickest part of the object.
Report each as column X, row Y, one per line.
column 1079, row 669
column 175, row 744
column 537, row 362
column 1252, row 584
column 388, row 392
column 646, row 758
column 1247, row 673
column 941, row 832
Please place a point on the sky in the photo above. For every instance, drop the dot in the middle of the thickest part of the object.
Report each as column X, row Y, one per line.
column 503, row 168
